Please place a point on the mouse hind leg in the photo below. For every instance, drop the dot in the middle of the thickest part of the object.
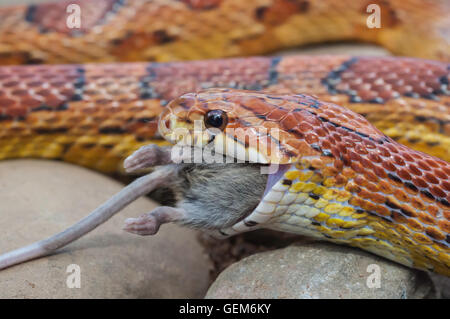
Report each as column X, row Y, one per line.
column 149, row 223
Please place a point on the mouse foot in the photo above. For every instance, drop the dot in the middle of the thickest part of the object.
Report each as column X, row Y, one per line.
column 149, row 223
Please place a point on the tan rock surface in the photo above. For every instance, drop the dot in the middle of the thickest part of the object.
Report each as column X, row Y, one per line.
column 319, row 270
column 40, row 198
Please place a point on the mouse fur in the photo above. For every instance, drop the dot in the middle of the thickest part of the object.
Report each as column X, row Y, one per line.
column 214, row 196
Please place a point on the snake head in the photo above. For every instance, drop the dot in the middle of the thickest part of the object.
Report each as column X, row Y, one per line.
column 255, row 127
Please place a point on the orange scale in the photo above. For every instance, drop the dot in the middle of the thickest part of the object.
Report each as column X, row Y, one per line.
column 326, row 144
column 304, row 127
column 337, row 137
column 372, row 187
column 347, row 171
column 313, row 120
column 418, row 204
column 392, row 148
column 30, row 102
column 402, row 229
column 270, row 125
column 288, row 122
column 378, row 198
column 383, row 152
column 329, row 171
column 427, row 199
column 398, row 160
column 321, row 132
column 16, row 111
column 365, row 194
column 403, row 174
column 437, row 191
column 258, row 106
column 415, row 225
column 431, row 178
column 10, row 84
column 294, row 143
column 426, row 218
column 433, row 210
column 341, row 132
column 368, row 206
column 355, row 201
column 389, row 166
column 357, row 167
column 360, row 149
column 385, row 187
column 318, row 163
column 446, row 170
column 369, row 175
column 368, row 164
column 353, row 156
column 53, row 101
column 444, row 225
column 382, row 210
column 356, row 138
column 311, row 138
column 329, row 114
column 338, row 163
column 419, row 182
column 19, row 92
column 415, row 170
column 431, row 162
column 7, row 102
column 435, row 233
column 374, row 157
column 423, row 165
column 401, row 195
column 399, row 218
column 444, row 183
column 340, row 181
column 348, row 144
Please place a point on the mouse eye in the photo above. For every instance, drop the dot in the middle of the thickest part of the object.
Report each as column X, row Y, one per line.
column 216, row 118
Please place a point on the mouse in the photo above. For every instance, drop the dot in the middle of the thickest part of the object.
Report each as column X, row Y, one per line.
column 204, row 196
column 199, row 195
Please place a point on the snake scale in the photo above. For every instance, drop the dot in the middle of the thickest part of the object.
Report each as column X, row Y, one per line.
column 342, row 180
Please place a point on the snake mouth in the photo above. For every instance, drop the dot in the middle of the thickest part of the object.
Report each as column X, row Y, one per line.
column 218, row 144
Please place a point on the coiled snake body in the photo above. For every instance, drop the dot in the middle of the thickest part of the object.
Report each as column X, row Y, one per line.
column 345, row 181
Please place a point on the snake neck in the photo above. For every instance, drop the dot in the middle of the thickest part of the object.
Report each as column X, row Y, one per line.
column 391, row 217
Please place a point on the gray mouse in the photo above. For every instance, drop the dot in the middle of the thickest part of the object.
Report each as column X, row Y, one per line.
column 202, row 196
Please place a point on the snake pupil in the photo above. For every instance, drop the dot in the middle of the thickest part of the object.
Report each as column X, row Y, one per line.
column 216, row 118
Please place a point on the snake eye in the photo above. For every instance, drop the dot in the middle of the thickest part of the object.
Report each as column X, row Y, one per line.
column 216, row 118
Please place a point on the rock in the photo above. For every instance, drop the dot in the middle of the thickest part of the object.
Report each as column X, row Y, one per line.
column 40, row 198
column 318, row 270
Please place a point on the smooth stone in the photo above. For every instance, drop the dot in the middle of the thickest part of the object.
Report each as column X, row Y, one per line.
column 41, row 198
column 318, row 270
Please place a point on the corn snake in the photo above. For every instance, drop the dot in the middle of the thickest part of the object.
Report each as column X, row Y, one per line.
column 96, row 115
